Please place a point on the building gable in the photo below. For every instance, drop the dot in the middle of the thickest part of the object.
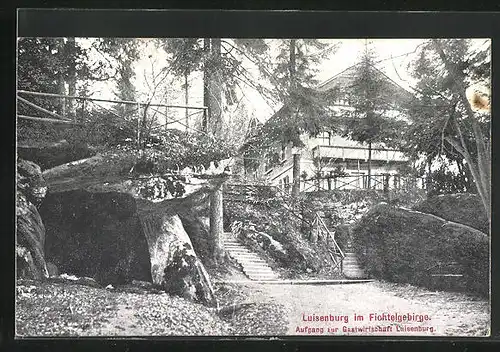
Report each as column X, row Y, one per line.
column 344, row 80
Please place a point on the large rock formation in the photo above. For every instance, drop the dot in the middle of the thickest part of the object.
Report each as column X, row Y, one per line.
column 464, row 208
column 403, row 245
column 174, row 264
column 30, row 234
column 49, row 155
column 106, row 222
column 96, row 235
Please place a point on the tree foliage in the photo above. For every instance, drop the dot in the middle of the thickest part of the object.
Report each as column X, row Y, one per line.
column 304, row 109
column 43, row 65
column 445, row 124
column 370, row 122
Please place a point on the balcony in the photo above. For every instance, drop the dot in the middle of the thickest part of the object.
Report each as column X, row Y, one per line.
column 357, row 153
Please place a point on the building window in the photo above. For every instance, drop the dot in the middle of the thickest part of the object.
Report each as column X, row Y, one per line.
column 286, row 183
column 250, row 166
column 283, row 153
column 324, row 138
column 268, row 165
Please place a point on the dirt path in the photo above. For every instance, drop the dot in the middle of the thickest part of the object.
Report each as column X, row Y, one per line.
column 447, row 313
column 122, row 323
column 57, row 309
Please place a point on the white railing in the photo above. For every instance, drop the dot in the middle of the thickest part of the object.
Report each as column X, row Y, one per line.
column 326, row 236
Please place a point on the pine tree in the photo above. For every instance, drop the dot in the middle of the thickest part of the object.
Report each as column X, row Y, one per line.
column 370, row 123
column 304, row 110
column 187, row 58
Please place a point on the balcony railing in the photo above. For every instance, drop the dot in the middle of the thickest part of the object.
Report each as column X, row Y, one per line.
column 382, row 182
column 357, row 153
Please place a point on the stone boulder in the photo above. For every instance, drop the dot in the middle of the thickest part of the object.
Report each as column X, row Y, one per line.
column 107, row 221
column 96, row 235
column 49, row 155
column 463, row 208
column 30, row 233
column 174, row 264
column 407, row 246
column 261, row 239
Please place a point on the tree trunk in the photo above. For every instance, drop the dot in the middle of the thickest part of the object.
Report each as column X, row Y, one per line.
column 61, row 78
column 369, row 181
column 71, row 49
column 186, row 97
column 429, row 177
column 296, row 156
column 481, row 167
column 206, row 84
column 465, row 175
column 292, row 64
column 216, row 223
column 296, row 175
column 215, row 97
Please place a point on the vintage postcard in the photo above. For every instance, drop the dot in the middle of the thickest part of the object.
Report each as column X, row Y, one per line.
column 253, row 187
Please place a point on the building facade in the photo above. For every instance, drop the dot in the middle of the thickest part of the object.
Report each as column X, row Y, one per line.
column 329, row 161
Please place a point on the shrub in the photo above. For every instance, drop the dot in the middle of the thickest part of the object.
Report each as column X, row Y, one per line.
column 262, row 221
column 404, row 246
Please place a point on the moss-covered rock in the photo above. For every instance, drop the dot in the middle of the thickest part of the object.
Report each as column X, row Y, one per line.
column 49, row 155
column 30, row 230
column 464, row 208
column 402, row 245
column 96, row 235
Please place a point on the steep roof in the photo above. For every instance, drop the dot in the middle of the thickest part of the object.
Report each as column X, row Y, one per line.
column 345, row 78
column 393, row 91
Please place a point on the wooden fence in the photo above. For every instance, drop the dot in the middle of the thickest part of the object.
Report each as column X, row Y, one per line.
column 384, row 182
column 75, row 110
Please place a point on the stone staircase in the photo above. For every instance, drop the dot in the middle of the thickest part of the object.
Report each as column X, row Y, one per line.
column 254, row 267
column 350, row 266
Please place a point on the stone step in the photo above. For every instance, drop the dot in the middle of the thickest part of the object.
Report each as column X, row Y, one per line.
column 246, row 255
column 240, row 249
column 263, row 277
column 248, row 259
column 256, row 276
column 263, row 269
column 231, row 242
column 254, row 262
column 234, row 246
column 229, row 246
column 251, row 264
column 254, row 267
column 353, row 262
column 350, row 265
column 351, row 268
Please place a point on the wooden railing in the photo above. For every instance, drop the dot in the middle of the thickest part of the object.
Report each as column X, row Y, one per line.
column 75, row 110
column 326, row 236
column 383, row 182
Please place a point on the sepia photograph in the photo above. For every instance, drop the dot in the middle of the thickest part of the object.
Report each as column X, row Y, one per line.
column 267, row 187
